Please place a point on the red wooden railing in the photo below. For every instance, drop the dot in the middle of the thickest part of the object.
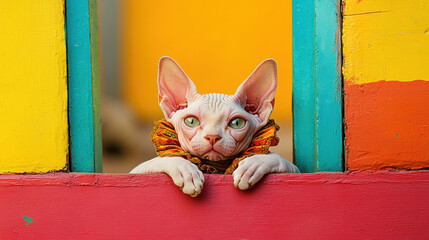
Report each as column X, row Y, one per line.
column 383, row 205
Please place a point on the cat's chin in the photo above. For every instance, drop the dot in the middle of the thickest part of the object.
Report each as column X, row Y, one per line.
column 213, row 155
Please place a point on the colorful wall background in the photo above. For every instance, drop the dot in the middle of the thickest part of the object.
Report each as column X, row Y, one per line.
column 386, row 84
column 385, row 50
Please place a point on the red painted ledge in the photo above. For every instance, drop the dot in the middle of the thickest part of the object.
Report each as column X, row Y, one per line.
column 383, row 205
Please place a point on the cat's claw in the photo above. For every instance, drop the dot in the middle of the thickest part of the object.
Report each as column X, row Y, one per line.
column 252, row 169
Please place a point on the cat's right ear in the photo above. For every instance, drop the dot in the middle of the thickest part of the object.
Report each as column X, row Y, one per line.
column 175, row 89
column 257, row 92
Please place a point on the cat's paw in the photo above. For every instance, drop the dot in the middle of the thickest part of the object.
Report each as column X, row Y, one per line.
column 185, row 175
column 250, row 170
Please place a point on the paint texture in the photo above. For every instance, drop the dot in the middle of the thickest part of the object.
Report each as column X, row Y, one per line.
column 282, row 206
column 386, row 55
column 387, row 125
column 317, row 105
column 33, row 87
column 84, row 86
column 386, row 40
column 218, row 43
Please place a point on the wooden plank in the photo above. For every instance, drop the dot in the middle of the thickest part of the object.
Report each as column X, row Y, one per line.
column 317, row 102
column 303, row 95
column 386, row 84
column 84, row 110
column 283, row 206
column 329, row 86
column 33, row 87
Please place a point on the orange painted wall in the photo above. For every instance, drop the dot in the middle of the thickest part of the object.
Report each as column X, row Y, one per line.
column 387, row 125
column 217, row 43
column 386, row 56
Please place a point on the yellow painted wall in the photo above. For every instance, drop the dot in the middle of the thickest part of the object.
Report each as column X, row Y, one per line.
column 217, row 43
column 386, row 40
column 33, row 89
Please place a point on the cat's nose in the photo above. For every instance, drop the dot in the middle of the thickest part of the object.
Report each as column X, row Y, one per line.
column 212, row 138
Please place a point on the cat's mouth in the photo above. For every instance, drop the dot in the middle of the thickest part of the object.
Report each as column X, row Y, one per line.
column 213, row 155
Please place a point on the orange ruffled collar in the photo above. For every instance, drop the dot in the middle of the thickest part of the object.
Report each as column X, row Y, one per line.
column 164, row 137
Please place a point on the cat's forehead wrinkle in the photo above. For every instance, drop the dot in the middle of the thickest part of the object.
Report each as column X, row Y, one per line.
column 215, row 102
column 218, row 98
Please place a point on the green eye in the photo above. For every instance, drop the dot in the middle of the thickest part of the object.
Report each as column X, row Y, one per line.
column 237, row 123
column 192, row 122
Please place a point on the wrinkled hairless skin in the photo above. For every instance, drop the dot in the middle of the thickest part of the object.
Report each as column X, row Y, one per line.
column 216, row 127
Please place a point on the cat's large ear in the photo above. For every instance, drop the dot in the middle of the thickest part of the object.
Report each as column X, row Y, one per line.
column 257, row 92
column 175, row 89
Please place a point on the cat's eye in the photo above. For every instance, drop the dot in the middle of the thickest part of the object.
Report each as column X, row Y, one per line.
column 192, row 122
column 237, row 123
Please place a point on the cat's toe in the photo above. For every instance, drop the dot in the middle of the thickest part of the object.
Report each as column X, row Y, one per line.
column 191, row 190
column 241, row 180
column 243, row 185
column 177, row 178
column 256, row 177
column 193, row 184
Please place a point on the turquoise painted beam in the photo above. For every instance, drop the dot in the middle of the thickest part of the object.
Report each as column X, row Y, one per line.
column 83, row 80
column 329, row 86
column 317, row 86
column 303, row 94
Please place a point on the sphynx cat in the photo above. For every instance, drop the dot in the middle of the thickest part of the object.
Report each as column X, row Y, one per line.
column 216, row 127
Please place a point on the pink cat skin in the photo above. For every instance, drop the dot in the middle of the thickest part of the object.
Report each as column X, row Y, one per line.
column 216, row 127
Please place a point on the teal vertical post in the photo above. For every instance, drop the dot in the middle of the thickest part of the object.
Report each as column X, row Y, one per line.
column 303, row 94
column 83, row 83
column 329, row 86
column 317, row 86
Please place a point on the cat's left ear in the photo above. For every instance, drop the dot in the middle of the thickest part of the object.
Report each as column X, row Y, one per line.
column 257, row 92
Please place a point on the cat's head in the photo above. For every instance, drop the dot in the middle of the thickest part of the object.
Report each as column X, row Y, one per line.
column 216, row 126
